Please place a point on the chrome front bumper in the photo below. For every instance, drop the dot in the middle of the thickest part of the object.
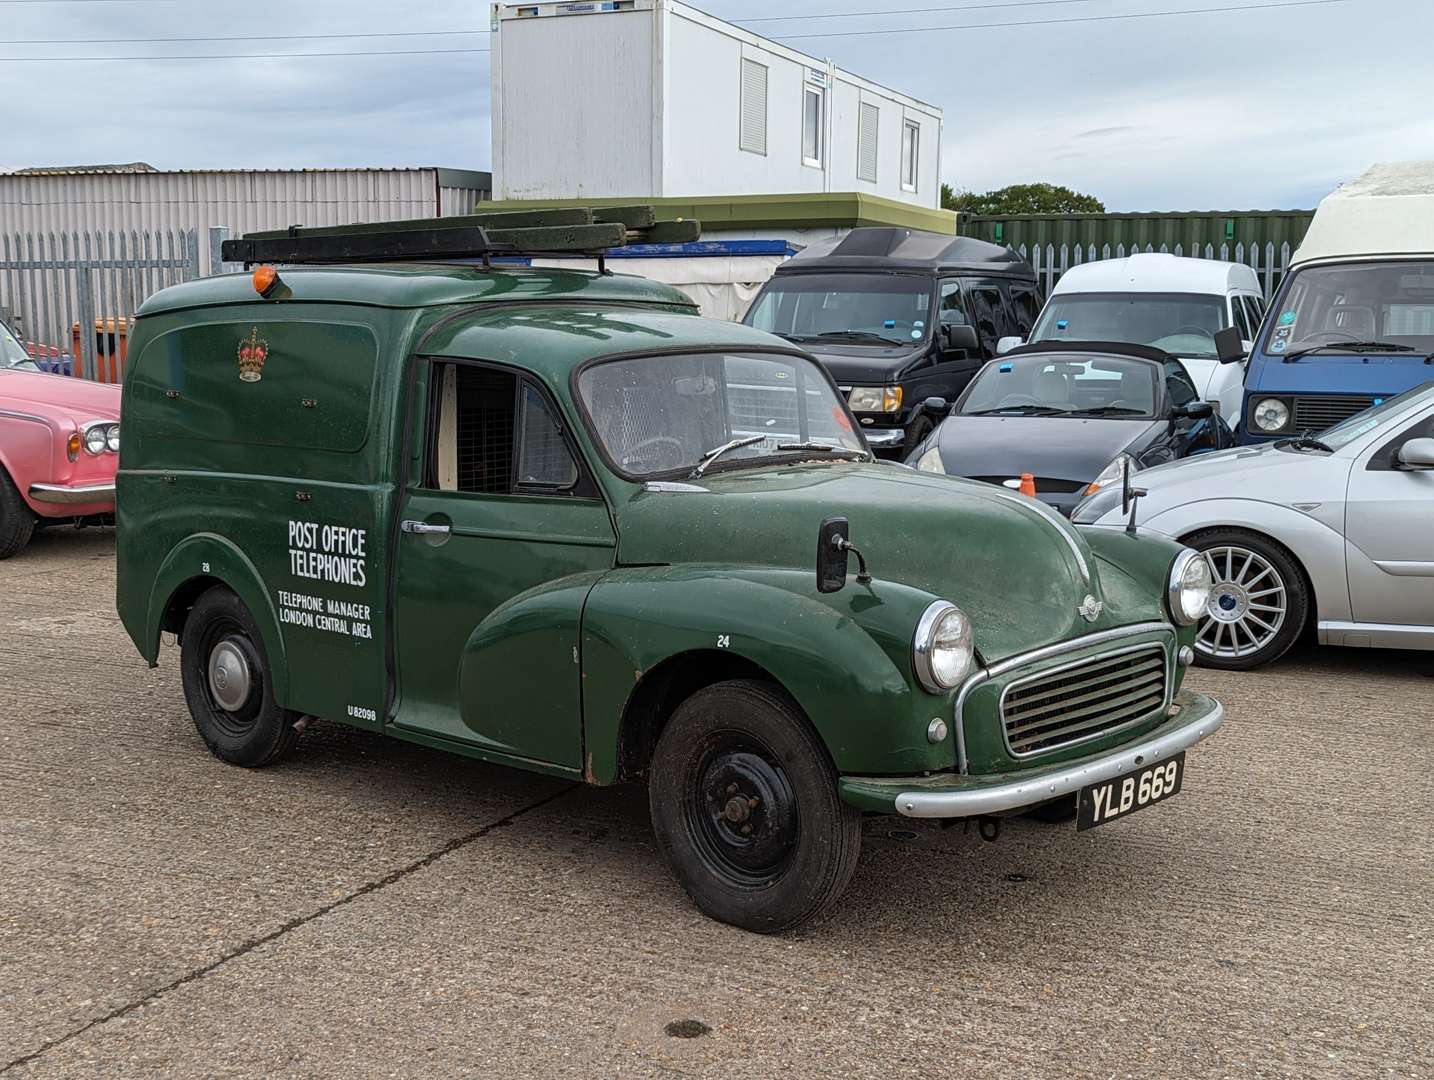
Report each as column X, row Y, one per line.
column 884, row 438
column 80, row 495
column 948, row 796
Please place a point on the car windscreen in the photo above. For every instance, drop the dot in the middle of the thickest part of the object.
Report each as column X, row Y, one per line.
column 660, row 415
column 1064, row 384
column 845, row 309
column 1390, row 303
column 12, row 353
column 1182, row 324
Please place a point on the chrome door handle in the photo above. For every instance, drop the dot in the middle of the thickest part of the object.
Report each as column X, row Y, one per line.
column 425, row 528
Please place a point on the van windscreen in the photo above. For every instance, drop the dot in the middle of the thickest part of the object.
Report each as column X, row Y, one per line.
column 846, row 309
column 1182, row 324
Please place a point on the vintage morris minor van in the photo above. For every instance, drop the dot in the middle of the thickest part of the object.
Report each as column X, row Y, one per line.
column 554, row 519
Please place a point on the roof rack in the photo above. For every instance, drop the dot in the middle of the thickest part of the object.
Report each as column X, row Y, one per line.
column 579, row 230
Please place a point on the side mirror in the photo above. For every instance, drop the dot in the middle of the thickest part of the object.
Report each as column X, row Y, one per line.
column 832, row 547
column 937, row 405
column 956, row 336
column 1417, row 454
column 1194, row 410
column 1229, row 346
column 1006, row 344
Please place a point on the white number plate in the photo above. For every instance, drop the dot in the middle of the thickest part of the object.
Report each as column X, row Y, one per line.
column 1123, row 796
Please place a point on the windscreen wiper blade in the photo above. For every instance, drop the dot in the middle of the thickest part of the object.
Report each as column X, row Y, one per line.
column 856, row 335
column 821, row 448
column 1021, row 410
column 1348, row 346
column 1109, row 410
column 1305, row 441
column 717, row 451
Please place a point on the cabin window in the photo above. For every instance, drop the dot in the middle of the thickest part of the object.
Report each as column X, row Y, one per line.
column 813, row 100
column 868, row 120
column 910, row 153
column 753, row 136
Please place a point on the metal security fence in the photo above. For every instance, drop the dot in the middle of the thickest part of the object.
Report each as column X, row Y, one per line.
column 71, row 296
column 1050, row 262
column 1264, row 239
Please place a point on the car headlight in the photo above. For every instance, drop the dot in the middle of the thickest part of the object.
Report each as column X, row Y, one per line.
column 1094, row 507
column 875, row 399
column 943, row 648
column 1113, row 474
column 95, row 439
column 112, row 438
column 931, row 461
column 1271, row 414
column 1190, row 585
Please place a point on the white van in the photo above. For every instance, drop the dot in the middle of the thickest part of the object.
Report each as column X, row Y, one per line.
column 1174, row 304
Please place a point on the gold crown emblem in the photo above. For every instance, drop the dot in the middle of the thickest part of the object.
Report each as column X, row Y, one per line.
column 252, row 354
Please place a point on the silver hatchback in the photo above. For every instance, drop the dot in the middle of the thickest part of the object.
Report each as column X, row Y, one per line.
column 1334, row 530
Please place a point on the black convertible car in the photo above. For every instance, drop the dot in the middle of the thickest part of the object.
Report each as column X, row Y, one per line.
column 1071, row 414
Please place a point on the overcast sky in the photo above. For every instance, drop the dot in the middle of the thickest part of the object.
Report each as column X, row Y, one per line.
column 1248, row 109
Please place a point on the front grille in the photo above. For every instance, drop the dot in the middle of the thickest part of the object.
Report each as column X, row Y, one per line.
column 1318, row 413
column 1083, row 700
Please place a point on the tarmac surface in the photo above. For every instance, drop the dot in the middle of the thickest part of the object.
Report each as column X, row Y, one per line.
column 371, row 908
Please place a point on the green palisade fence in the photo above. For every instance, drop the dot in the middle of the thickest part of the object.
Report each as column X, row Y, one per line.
column 1052, row 243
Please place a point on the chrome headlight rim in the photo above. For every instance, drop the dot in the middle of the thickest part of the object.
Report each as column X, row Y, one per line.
column 1175, row 591
column 112, row 438
column 923, row 647
column 94, row 436
column 1275, row 403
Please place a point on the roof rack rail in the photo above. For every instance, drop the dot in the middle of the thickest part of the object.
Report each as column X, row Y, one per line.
column 582, row 231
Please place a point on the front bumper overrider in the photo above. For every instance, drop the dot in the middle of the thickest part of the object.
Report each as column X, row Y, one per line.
column 950, row 795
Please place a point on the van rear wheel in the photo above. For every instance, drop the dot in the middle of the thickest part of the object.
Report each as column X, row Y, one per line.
column 745, row 808
column 228, row 686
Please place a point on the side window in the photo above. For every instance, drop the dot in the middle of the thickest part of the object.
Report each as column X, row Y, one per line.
column 1178, row 385
column 952, row 308
column 990, row 316
column 1024, row 309
column 1256, row 314
column 1240, row 317
column 493, row 434
column 1383, row 458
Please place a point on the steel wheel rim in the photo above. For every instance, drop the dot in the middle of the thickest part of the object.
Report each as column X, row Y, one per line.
column 226, row 639
column 1248, row 604
column 741, row 811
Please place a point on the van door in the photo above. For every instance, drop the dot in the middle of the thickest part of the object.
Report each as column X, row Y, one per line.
column 502, row 535
column 988, row 310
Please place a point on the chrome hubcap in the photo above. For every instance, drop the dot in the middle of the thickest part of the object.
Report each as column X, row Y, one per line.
column 1247, row 604
column 229, row 677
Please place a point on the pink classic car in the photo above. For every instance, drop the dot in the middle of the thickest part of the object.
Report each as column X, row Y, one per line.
column 59, row 446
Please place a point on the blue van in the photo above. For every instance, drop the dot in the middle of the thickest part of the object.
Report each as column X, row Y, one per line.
column 1353, row 322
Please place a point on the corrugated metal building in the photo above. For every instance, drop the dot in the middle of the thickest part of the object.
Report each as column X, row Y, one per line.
column 138, row 198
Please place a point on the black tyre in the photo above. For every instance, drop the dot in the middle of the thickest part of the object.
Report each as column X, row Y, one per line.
column 916, row 434
column 1259, row 604
column 228, row 686
column 745, row 807
column 17, row 521
column 1055, row 812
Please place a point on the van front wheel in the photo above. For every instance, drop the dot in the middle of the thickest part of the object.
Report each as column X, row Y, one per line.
column 745, row 808
column 227, row 684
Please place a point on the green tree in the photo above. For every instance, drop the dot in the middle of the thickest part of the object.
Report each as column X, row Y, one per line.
column 1021, row 199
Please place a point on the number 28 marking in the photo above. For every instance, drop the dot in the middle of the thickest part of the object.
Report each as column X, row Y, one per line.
column 724, row 641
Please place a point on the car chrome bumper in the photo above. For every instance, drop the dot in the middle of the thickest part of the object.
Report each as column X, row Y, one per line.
column 79, row 495
column 884, row 438
column 948, row 796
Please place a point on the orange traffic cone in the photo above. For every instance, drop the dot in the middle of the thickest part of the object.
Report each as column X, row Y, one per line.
column 1028, row 485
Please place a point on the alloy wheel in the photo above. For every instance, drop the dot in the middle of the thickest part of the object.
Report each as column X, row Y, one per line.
column 1248, row 603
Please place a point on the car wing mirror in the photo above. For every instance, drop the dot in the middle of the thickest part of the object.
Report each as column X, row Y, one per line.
column 1417, row 454
column 1195, row 410
column 937, row 405
column 1006, row 344
column 959, row 336
column 832, row 546
column 1229, row 346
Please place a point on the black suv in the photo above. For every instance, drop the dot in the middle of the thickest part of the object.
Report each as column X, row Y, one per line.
column 899, row 317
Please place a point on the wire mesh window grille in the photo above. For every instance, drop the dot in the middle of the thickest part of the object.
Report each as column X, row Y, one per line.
column 483, row 418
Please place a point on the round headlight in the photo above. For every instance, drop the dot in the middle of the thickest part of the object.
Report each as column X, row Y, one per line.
column 95, row 439
column 1271, row 414
column 1190, row 585
column 112, row 438
column 943, row 648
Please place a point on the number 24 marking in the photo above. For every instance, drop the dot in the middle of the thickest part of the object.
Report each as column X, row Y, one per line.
column 724, row 641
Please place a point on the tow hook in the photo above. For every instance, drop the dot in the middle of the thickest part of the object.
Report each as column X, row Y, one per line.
column 989, row 828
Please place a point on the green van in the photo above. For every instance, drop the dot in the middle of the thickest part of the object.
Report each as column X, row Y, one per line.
column 556, row 520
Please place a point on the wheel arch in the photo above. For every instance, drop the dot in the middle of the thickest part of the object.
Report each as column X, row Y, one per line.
column 192, row 568
column 1312, row 611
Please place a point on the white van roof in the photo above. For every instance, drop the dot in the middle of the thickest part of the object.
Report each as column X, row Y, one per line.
column 1387, row 211
column 1156, row 272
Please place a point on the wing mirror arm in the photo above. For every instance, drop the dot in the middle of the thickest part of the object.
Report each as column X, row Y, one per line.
column 833, row 547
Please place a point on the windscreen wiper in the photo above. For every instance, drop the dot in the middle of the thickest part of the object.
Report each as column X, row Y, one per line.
column 1305, row 441
column 1110, row 410
column 1348, row 346
column 1022, row 410
column 857, row 335
column 717, row 451
column 821, row 448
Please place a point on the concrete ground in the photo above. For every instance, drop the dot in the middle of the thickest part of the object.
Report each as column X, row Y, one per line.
column 372, row 908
